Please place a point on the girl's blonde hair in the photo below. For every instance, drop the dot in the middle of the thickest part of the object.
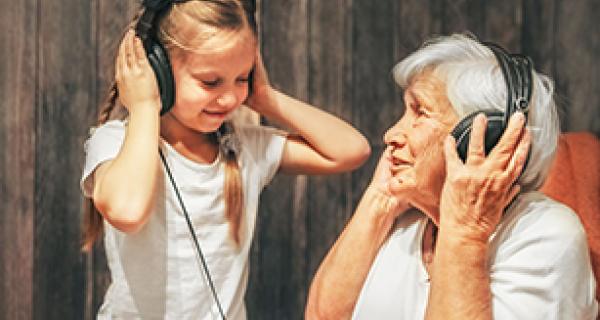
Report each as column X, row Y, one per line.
column 179, row 36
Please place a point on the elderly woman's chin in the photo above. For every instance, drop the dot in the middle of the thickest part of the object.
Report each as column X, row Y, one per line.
column 403, row 183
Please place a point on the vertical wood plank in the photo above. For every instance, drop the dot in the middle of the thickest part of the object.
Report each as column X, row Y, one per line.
column 278, row 260
column 66, row 79
column 330, row 81
column 374, row 92
column 562, row 47
column 462, row 16
column 577, row 48
column 503, row 23
column 18, row 89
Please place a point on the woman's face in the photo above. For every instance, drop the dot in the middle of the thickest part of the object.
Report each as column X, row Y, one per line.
column 212, row 82
column 415, row 142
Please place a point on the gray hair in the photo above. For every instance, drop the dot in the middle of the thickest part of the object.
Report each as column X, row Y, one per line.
column 474, row 82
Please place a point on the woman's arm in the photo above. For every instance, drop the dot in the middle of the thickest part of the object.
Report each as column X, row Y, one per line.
column 337, row 284
column 321, row 143
column 340, row 278
column 124, row 187
column 473, row 199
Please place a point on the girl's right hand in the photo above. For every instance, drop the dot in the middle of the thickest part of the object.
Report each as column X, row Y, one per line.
column 136, row 82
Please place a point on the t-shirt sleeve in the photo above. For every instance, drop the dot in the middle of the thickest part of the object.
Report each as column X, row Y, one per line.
column 544, row 271
column 263, row 147
column 103, row 144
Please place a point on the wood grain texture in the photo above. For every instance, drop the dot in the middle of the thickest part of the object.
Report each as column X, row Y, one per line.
column 374, row 93
column 330, row 88
column 278, row 263
column 58, row 59
column 18, row 88
column 67, row 102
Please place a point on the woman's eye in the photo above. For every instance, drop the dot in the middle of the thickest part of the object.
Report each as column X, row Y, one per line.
column 242, row 80
column 418, row 110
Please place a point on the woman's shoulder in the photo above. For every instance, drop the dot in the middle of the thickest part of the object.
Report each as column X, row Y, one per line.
column 536, row 211
column 538, row 226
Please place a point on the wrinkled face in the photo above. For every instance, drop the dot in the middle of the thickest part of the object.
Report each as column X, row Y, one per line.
column 210, row 83
column 415, row 142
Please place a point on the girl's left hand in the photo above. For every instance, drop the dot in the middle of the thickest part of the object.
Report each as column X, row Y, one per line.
column 476, row 192
column 260, row 95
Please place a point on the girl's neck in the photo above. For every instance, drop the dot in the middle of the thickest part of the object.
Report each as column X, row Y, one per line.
column 196, row 146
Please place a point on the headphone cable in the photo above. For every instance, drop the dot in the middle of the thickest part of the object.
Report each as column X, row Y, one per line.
column 196, row 243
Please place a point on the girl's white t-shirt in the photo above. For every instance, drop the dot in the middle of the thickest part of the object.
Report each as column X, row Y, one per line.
column 538, row 259
column 156, row 272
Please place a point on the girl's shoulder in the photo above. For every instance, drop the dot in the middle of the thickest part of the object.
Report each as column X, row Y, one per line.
column 109, row 127
column 109, row 133
column 258, row 139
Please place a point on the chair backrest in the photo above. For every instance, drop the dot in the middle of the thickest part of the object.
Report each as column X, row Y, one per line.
column 574, row 180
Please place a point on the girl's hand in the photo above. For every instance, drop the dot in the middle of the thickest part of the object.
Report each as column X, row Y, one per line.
column 476, row 192
column 260, row 96
column 135, row 78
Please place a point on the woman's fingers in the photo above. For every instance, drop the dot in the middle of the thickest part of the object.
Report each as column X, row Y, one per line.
column 507, row 145
column 519, row 157
column 476, row 150
column 451, row 155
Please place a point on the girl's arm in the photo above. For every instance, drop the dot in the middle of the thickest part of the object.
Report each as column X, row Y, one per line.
column 124, row 187
column 321, row 144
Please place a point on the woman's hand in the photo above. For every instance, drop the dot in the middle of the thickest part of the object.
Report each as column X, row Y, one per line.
column 260, row 96
column 385, row 183
column 476, row 192
column 136, row 82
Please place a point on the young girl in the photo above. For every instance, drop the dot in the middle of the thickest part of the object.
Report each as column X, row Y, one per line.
column 155, row 267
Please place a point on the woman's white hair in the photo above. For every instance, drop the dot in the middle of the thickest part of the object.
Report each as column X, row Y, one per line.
column 474, row 82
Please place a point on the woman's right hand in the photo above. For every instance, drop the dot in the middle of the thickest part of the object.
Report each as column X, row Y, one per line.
column 136, row 82
column 384, row 182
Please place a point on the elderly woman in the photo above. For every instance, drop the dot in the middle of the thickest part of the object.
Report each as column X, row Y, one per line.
column 503, row 250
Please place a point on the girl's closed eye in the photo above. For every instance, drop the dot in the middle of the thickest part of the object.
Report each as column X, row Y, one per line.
column 212, row 83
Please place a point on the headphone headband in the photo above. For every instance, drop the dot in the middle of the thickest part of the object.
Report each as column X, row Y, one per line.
column 517, row 72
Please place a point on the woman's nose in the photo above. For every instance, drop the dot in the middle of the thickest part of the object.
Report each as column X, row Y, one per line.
column 394, row 136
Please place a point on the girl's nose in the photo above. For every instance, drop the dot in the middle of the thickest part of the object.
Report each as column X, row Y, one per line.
column 227, row 100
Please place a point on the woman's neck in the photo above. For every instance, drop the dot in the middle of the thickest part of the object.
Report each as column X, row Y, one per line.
column 196, row 146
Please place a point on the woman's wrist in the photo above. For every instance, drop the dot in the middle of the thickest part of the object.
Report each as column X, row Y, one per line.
column 462, row 233
column 381, row 206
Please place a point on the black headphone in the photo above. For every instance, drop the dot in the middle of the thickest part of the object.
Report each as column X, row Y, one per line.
column 156, row 53
column 517, row 72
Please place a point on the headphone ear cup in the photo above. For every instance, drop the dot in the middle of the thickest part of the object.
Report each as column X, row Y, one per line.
column 159, row 61
column 493, row 131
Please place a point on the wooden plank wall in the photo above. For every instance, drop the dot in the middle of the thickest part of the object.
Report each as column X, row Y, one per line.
column 57, row 59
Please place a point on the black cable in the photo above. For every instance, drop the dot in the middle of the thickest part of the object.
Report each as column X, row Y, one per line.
column 189, row 223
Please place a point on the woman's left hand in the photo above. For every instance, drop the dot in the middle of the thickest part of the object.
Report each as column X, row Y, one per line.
column 260, row 94
column 476, row 192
